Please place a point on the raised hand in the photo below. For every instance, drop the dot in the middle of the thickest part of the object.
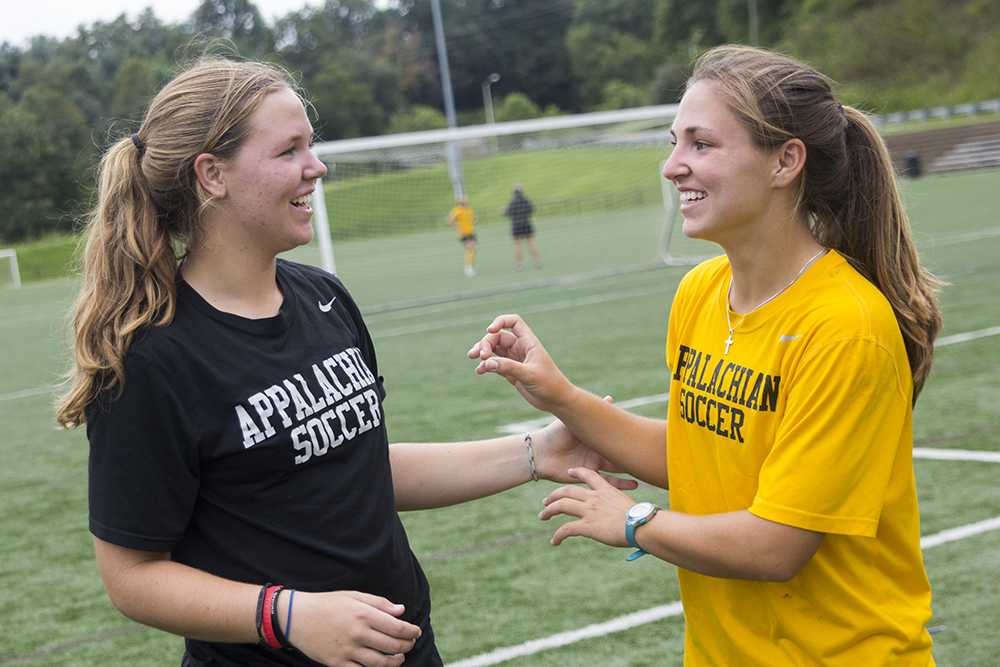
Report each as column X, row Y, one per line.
column 350, row 628
column 600, row 509
column 512, row 350
column 557, row 451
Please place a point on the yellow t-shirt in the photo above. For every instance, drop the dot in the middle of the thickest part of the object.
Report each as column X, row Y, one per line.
column 465, row 220
column 807, row 421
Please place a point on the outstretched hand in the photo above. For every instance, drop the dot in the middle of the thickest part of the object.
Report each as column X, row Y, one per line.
column 600, row 509
column 512, row 350
column 351, row 628
column 557, row 451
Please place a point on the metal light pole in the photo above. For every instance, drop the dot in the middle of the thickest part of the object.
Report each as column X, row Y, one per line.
column 454, row 162
column 488, row 96
column 488, row 105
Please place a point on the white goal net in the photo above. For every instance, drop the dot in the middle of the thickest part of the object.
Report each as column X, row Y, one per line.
column 600, row 206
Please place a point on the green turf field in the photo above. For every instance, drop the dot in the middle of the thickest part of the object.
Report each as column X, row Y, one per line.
column 495, row 580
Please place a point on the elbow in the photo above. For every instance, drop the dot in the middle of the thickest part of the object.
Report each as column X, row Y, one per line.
column 780, row 569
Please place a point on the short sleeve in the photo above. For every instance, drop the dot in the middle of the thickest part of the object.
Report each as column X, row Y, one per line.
column 364, row 337
column 835, row 447
column 143, row 468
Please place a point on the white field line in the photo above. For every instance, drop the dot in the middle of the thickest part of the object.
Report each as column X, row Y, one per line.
column 966, row 337
column 962, row 237
column 542, row 421
column 564, row 638
column 532, row 424
column 629, row 621
column 538, row 308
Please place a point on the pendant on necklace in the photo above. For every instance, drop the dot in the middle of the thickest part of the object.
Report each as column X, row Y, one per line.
column 729, row 343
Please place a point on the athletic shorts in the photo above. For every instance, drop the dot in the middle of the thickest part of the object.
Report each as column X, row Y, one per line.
column 522, row 230
column 468, row 237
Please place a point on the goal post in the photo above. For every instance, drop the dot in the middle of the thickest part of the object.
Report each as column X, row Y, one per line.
column 9, row 256
column 593, row 180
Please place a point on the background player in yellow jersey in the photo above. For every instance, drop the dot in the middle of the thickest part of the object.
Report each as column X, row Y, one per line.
column 794, row 362
column 463, row 219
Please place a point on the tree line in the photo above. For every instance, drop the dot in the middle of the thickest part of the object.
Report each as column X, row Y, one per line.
column 372, row 68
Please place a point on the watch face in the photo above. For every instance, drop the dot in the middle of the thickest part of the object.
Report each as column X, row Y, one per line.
column 640, row 510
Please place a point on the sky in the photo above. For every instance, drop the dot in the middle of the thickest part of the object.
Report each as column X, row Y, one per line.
column 22, row 19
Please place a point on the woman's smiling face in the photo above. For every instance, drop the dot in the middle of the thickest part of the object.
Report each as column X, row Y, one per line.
column 269, row 180
column 723, row 178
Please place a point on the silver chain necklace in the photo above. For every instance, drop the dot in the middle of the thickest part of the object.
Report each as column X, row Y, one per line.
column 729, row 296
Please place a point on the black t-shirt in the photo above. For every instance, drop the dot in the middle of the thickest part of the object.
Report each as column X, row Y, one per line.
column 256, row 450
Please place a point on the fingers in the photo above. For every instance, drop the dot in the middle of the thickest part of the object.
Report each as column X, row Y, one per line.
column 513, row 322
column 378, row 602
column 567, row 506
column 573, row 492
column 385, row 644
column 394, row 628
column 369, row 658
column 589, row 477
column 571, row 529
column 386, row 622
column 619, row 483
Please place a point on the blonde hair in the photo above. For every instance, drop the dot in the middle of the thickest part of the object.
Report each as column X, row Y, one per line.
column 848, row 191
column 148, row 208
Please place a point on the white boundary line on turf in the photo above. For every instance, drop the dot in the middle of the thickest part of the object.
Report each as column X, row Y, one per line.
column 965, row 337
column 569, row 303
column 572, row 636
column 532, row 424
column 629, row 621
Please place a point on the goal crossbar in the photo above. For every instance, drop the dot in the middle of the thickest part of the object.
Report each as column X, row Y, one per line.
column 456, row 134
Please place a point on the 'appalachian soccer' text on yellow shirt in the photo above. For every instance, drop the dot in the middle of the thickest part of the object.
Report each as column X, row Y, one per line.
column 465, row 220
column 806, row 421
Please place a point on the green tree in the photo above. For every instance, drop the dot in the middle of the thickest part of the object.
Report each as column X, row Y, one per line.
column 135, row 83
column 611, row 40
column 28, row 209
column 417, row 119
column 517, row 106
column 236, row 20
column 621, row 95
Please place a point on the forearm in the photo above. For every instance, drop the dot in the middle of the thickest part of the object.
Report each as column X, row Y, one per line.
column 637, row 445
column 428, row 475
column 733, row 545
column 185, row 601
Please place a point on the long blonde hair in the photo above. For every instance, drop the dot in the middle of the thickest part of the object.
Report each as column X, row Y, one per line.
column 148, row 208
column 848, row 192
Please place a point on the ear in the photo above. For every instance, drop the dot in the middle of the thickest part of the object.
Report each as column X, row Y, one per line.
column 208, row 171
column 790, row 159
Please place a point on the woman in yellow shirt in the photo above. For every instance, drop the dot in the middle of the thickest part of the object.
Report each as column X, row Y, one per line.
column 794, row 362
column 463, row 219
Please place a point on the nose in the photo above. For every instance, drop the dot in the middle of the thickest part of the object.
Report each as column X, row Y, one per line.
column 316, row 168
column 674, row 167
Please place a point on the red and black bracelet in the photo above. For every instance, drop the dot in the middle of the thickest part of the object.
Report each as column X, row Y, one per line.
column 268, row 628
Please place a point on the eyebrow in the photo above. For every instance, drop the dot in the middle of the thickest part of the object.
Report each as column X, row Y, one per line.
column 690, row 130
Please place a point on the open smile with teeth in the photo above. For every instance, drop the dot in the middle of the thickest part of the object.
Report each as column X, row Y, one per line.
column 690, row 196
column 302, row 202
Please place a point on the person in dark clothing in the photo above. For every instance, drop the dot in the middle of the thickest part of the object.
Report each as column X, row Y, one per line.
column 233, row 402
column 519, row 210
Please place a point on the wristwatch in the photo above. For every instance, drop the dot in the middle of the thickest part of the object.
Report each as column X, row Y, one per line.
column 638, row 515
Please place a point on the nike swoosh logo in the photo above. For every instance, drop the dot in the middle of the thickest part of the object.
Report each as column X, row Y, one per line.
column 325, row 307
column 787, row 338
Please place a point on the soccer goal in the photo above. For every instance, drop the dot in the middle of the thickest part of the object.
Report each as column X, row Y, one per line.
column 598, row 200
column 9, row 275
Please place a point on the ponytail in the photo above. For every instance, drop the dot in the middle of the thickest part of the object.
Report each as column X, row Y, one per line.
column 149, row 205
column 129, row 268
column 872, row 231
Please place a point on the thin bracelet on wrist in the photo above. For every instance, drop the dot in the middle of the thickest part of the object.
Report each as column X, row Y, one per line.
column 531, row 457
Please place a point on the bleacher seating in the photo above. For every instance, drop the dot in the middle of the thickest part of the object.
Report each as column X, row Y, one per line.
column 970, row 146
